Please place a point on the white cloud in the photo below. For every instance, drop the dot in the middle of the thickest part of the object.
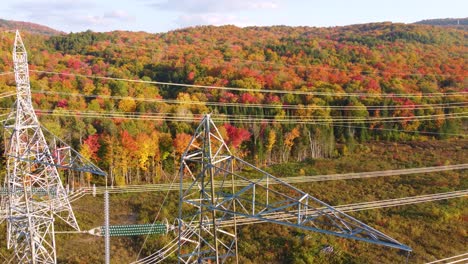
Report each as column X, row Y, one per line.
column 106, row 19
column 211, row 6
column 186, row 20
column 70, row 15
column 264, row 5
column 54, row 8
column 213, row 12
column 120, row 15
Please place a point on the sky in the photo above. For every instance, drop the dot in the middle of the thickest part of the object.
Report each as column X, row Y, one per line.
column 156, row 16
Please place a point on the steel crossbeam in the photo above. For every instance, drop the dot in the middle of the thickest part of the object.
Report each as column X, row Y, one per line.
column 205, row 206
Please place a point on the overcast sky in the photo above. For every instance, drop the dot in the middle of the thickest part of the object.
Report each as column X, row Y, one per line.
column 164, row 15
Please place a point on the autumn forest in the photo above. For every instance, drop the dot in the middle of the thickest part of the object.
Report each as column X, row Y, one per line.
column 298, row 93
column 281, row 96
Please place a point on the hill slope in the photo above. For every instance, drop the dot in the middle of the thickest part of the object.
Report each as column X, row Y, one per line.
column 29, row 27
column 462, row 22
column 283, row 93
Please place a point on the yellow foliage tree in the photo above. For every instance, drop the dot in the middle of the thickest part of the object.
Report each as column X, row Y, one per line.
column 289, row 142
column 127, row 105
column 270, row 143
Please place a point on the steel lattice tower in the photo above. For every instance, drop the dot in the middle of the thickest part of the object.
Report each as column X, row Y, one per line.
column 218, row 196
column 36, row 195
column 206, row 160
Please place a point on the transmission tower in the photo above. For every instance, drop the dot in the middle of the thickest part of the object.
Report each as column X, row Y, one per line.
column 206, row 160
column 219, row 196
column 35, row 194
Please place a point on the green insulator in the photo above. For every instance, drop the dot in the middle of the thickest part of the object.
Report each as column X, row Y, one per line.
column 136, row 230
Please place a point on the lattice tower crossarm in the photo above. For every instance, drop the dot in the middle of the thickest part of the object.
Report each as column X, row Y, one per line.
column 203, row 238
column 31, row 169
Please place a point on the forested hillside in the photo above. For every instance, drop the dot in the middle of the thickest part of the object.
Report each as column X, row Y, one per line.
column 463, row 22
column 10, row 25
column 279, row 94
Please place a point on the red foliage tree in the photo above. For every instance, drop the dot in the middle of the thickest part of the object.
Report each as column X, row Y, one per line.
column 248, row 98
column 181, row 142
column 62, row 103
column 236, row 135
column 128, row 142
column 92, row 145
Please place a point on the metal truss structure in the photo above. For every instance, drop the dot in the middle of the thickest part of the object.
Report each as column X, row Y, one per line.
column 35, row 193
column 220, row 195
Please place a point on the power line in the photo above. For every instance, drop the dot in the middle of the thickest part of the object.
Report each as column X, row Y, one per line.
column 259, row 91
column 196, row 118
column 291, row 180
column 245, row 117
column 171, row 247
column 451, row 260
column 7, row 94
column 270, row 106
column 225, row 118
column 363, row 206
column 157, row 214
column 298, row 119
column 400, row 130
column 220, row 60
column 313, row 120
column 5, row 73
